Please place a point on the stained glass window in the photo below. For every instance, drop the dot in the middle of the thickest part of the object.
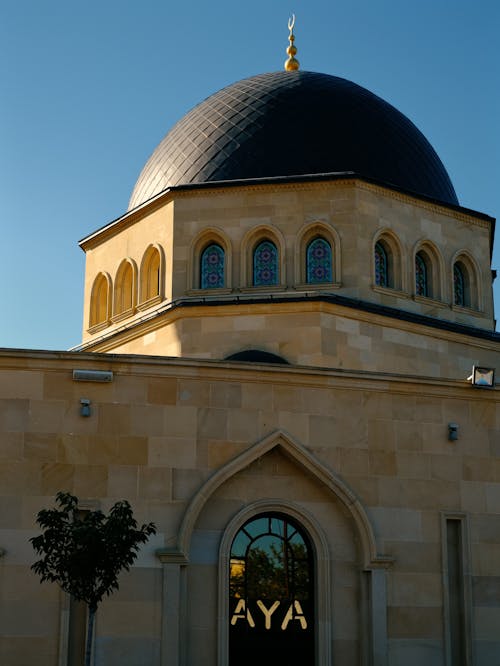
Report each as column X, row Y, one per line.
column 265, row 264
column 381, row 266
column 271, row 606
column 212, row 267
column 318, row 261
column 421, row 278
column 458, row 285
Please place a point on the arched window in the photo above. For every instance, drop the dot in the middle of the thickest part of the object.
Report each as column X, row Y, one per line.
column 150, row 274
column 99, row 301
column 421, row 275
column 461, row 285
column 265, row 264
column 271, row 604
column 388, row 261
column 212, row 267
column 124, row 288
column 318, row 261
column 459, row 295
column 381, row 266
column 256, row 356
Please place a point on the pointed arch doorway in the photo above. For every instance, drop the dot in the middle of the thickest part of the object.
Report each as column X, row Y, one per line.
column 271, row 593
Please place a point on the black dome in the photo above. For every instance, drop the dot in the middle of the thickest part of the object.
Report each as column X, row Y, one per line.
column 290, row 124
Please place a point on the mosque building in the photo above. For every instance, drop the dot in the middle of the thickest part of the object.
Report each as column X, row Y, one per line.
column 287, row 363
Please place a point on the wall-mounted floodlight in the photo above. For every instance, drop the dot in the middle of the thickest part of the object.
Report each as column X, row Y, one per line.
column 92, row 376
column 482, row 377
column 453, row 432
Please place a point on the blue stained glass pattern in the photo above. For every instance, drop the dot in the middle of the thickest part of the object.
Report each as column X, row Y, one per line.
column 318, row 261
column 421, row 283
column 265, row 264
column 212, row 267
column 381, row 272
column 458, row 286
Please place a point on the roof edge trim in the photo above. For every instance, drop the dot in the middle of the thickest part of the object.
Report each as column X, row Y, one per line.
column 277, row 180
column 334, row 299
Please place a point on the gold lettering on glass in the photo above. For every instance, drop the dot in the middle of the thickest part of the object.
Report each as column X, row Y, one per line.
column 299, row 615
column 268, row 613
column 241, row 613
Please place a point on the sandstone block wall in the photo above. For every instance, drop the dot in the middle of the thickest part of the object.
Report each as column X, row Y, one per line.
column 163, row 427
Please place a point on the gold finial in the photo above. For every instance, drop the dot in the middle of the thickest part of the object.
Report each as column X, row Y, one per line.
column 291, row 64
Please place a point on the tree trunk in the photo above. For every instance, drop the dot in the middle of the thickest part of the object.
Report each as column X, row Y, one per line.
column 90, row 634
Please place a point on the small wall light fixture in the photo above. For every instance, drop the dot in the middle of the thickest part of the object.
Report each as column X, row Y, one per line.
column 482, row 377
column 84, row 407
column 453, row 432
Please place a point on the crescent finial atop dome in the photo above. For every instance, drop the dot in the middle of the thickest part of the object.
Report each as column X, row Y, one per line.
column 291, row 64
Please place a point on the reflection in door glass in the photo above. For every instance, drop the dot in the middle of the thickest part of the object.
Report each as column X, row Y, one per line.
column 271, row 594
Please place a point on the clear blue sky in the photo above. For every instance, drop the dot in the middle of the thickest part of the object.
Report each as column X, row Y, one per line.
column 89, row 89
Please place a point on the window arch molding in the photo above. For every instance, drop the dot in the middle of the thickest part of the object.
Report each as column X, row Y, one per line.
column 306, row 235
column 209, row 236
column 152, row 276
column 434, row 264
column 472, row 273
column 125, row 290
column 322, row 585
column 305, row 460
column 396, row 259
column 250, row 242
column 100, row 302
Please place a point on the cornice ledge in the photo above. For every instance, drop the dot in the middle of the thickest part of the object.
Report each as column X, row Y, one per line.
column 272, row 186
column 171, row 556
column 381, row 562
column 442, row 209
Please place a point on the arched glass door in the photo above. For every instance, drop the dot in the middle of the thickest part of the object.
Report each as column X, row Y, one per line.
column 271, row 604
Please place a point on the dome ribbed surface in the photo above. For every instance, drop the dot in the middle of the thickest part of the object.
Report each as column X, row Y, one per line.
column 292, row 124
